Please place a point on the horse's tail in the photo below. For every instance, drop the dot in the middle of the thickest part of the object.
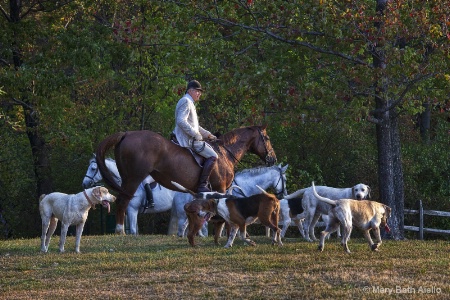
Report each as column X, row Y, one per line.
column 100, row 155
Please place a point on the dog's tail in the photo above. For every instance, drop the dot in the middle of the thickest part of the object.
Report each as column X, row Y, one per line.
column 231, row 188
column 42, row 197
column 327, row 200
column 296, row 194
column 183, row 189
column 262, row 190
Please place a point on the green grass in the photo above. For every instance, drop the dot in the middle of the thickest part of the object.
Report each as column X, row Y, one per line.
column 166, row 267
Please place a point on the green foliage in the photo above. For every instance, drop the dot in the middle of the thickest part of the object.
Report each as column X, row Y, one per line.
column 428, row 169
column 93, row 68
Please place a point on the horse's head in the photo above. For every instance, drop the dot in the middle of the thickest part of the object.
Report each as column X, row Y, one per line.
column 93, row 176
column 280, row 185
column 263, row 147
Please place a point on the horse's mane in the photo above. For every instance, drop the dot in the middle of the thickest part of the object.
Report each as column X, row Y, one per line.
column 231, row 137
column 256, row 169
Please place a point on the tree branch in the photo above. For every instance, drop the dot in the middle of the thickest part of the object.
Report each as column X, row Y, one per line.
column 287, row 41
column 401, row 98
column 5, row 14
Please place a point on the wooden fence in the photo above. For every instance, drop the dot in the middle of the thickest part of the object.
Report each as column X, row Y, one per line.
column 420, row 212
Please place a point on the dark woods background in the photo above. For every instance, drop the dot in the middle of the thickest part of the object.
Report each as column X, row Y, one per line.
column 352, row 92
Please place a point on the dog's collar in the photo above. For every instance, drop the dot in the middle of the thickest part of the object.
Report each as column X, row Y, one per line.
column 88, row 199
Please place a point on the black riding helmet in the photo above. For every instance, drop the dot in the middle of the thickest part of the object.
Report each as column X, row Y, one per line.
column 194, row 84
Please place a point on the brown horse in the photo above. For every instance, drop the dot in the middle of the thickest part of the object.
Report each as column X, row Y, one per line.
column 142, row 153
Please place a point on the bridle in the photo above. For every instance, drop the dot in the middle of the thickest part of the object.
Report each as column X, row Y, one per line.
column 93, row 176
column 269, row 154
column 283, row 184
column 268, row 159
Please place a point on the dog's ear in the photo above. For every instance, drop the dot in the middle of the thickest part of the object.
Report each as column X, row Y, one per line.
column 370, row 190
column 353, row 193
column 213, row 204
column 97, row 193
column 387, row 210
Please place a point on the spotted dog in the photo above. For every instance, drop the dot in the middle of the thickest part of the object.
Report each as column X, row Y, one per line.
column 313, row 208
column 200, row 210
column 364, row 214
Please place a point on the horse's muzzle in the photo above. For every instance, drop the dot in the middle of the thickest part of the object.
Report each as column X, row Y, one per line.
column 270, row 160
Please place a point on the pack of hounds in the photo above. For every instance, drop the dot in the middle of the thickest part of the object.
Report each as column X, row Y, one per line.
column 339, row 207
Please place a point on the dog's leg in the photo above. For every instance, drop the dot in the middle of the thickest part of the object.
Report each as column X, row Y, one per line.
column 277, row 237
column 243, row 236
column 338, row 232
column 50, row 231
column 62, row 239
column 44, row 243
column 376, row 233
column 307, row 224
column 286, row 223
column 274, row 219
column 346, row 237
column 331, row 227
column 233, row 232
column 195, row 223
column 79, row 232
column 312, row 225
column 218, row 228
column 299, row 223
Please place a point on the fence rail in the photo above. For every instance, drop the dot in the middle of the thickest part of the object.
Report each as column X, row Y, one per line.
column 420, row 212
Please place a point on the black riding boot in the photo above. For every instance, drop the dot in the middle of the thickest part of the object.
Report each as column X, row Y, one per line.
column 204, row 176
column 148, row 191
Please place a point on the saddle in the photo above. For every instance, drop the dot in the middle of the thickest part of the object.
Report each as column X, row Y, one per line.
column 200, row 160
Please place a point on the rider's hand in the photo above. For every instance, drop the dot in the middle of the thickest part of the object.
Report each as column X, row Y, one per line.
column 212, row 137
column 198, row 137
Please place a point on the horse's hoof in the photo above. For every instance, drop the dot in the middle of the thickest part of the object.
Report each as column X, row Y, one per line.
column 320, row 248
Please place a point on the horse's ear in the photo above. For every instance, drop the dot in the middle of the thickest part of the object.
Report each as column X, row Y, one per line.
column 264, row 126
column 93, row 155
column 285, row 168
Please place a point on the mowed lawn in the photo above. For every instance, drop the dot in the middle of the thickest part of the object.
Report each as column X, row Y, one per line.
column 166, row 267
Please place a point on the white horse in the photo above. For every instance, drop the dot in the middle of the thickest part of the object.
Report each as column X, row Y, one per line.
column 265, row 177
column 162, row 197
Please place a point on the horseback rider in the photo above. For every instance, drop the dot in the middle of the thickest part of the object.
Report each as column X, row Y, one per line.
column 190, row 134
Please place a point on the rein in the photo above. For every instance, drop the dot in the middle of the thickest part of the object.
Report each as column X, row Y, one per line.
column 267, row 158
column 265, row 146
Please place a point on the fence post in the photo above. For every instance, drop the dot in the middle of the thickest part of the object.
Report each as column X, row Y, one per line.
column 420, row 209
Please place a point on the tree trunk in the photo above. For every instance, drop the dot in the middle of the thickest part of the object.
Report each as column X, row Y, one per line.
column 38, row 145
column 40, row 151
column 390, row 172
column 424, row 123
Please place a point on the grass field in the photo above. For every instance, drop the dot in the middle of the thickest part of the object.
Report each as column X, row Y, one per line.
column 165, row 267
